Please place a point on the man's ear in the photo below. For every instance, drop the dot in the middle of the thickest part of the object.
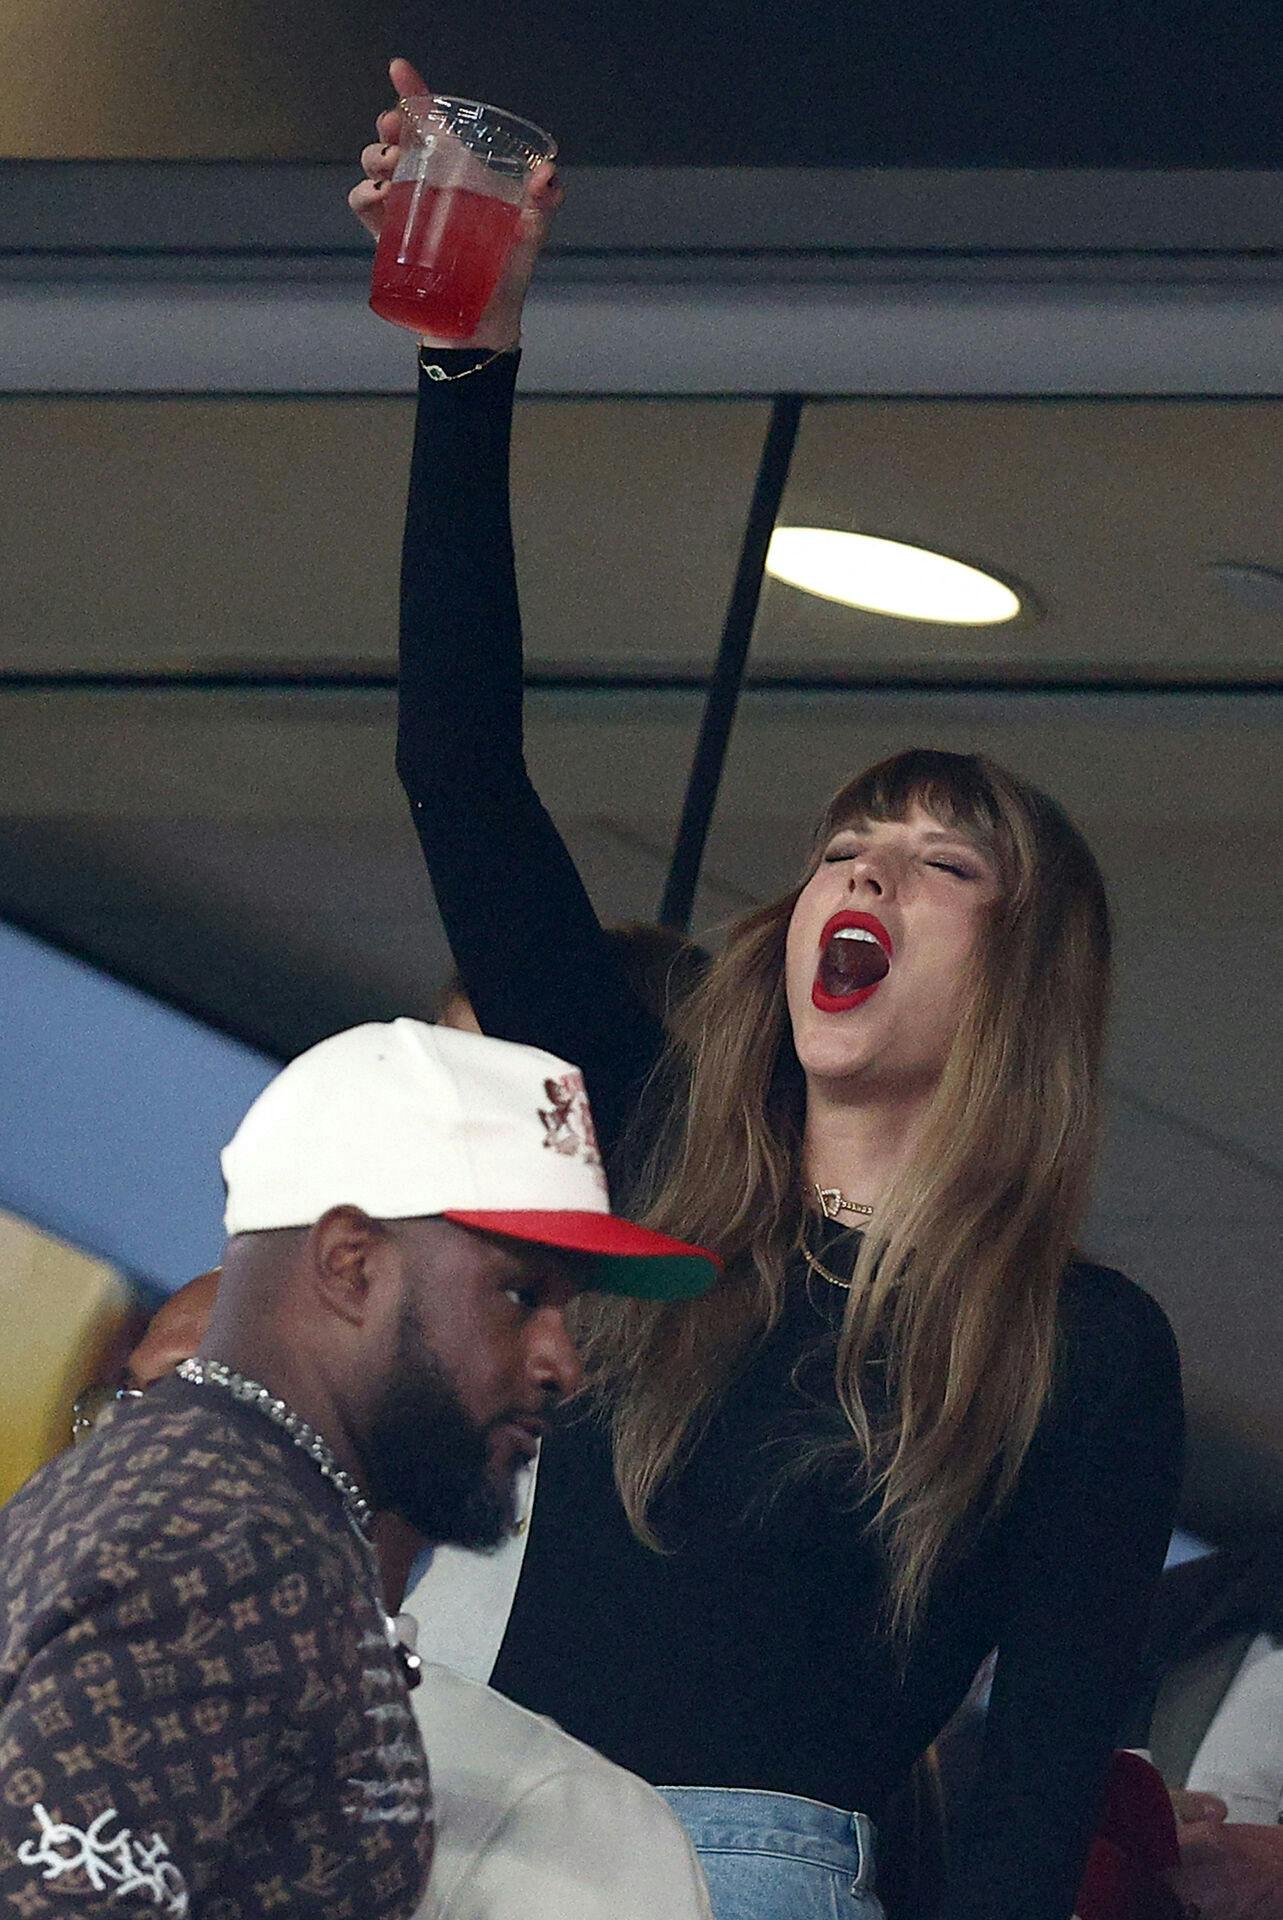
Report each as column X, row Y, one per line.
column 345, row 1254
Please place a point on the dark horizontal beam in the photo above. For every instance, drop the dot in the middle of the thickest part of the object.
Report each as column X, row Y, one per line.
column 562, row 680
column 564, row 263
column 266, row 205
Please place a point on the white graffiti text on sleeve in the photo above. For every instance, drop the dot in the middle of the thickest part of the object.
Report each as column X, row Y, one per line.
column 122, row 1863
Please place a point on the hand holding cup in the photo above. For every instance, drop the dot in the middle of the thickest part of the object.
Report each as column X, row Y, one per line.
column 499, row 324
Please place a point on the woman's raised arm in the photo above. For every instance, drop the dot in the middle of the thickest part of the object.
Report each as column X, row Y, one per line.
column 524, row 934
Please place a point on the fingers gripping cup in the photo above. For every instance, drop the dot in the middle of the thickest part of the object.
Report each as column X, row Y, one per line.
column 453, row 212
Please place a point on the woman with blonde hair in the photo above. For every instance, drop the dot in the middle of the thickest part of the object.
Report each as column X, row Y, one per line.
column 910, row 1426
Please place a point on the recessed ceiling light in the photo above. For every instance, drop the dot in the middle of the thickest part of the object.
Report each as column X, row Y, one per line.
column 885, row 576
column 1260, row 588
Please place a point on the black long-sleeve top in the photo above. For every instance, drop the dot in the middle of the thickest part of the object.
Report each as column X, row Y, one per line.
column 750, row 1654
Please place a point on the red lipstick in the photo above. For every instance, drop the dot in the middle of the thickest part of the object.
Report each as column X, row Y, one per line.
column 843, row 1002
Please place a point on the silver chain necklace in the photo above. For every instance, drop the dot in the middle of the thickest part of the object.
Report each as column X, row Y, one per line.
column 213, row 1373
column 399, row 1628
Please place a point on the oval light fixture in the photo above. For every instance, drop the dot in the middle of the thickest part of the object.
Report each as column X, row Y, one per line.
column 886, row 576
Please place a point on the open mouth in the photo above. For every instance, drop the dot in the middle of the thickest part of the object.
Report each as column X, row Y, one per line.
column 855, row 958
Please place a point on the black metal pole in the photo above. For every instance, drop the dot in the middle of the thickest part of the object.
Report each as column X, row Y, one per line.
column 728, row 672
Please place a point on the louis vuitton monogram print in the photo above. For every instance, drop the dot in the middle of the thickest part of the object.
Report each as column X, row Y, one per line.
column 200, row 1714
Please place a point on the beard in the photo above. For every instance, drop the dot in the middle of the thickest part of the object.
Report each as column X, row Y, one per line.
column 428, row 1460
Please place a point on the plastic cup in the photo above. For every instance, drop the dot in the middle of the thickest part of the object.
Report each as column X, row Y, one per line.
column 453, row 212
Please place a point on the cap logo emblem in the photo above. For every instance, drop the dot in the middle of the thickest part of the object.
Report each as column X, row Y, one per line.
column 567, row 1120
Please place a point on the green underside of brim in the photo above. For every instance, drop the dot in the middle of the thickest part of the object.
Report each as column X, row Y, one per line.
column 664, row 1276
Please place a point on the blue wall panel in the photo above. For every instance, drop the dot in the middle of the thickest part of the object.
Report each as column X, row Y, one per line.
column 113, row 1109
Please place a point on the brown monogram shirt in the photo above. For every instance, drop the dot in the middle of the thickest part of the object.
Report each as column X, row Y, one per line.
column 200, row 1714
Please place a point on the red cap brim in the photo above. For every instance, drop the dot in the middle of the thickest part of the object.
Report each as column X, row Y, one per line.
column 623, row 1258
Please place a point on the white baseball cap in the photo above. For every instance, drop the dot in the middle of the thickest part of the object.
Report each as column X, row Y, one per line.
column 407, row 1121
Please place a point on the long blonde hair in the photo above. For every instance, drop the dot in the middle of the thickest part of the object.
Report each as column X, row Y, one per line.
column 957, row 1279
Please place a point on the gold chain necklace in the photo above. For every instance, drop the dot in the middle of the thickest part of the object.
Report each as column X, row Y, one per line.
column 817, row 1267
column 834, row 1202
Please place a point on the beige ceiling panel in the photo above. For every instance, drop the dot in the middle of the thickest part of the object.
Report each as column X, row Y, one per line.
column 260, row 535
column 317, row 757
column 182, row 535
column 1157, row 756
column 179, row 535
column 630, row 515
column 1106, row 513
column 250, row 855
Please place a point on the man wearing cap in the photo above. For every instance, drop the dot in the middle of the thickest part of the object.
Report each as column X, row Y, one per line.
column 530, row 1824
column 203, row 1709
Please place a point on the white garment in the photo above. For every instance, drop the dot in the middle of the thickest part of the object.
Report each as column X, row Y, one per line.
column 532, row 1825
column 461, row 1601
column 1241, row 1757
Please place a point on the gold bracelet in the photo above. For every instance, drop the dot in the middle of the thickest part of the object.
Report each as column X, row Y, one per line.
column 436, row 372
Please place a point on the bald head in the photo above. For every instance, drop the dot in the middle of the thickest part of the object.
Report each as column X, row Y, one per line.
column 174, row 1331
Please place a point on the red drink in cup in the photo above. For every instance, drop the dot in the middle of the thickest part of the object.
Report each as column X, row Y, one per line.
column 453, row 213
column 441, row 252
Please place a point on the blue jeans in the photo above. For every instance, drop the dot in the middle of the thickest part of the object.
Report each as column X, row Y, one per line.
column 775, row 1856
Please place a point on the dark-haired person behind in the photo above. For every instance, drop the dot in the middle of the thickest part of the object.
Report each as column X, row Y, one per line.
column 660, row 965
column 1213, row 1657
column 908, row 1426
column 1210, row 1711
